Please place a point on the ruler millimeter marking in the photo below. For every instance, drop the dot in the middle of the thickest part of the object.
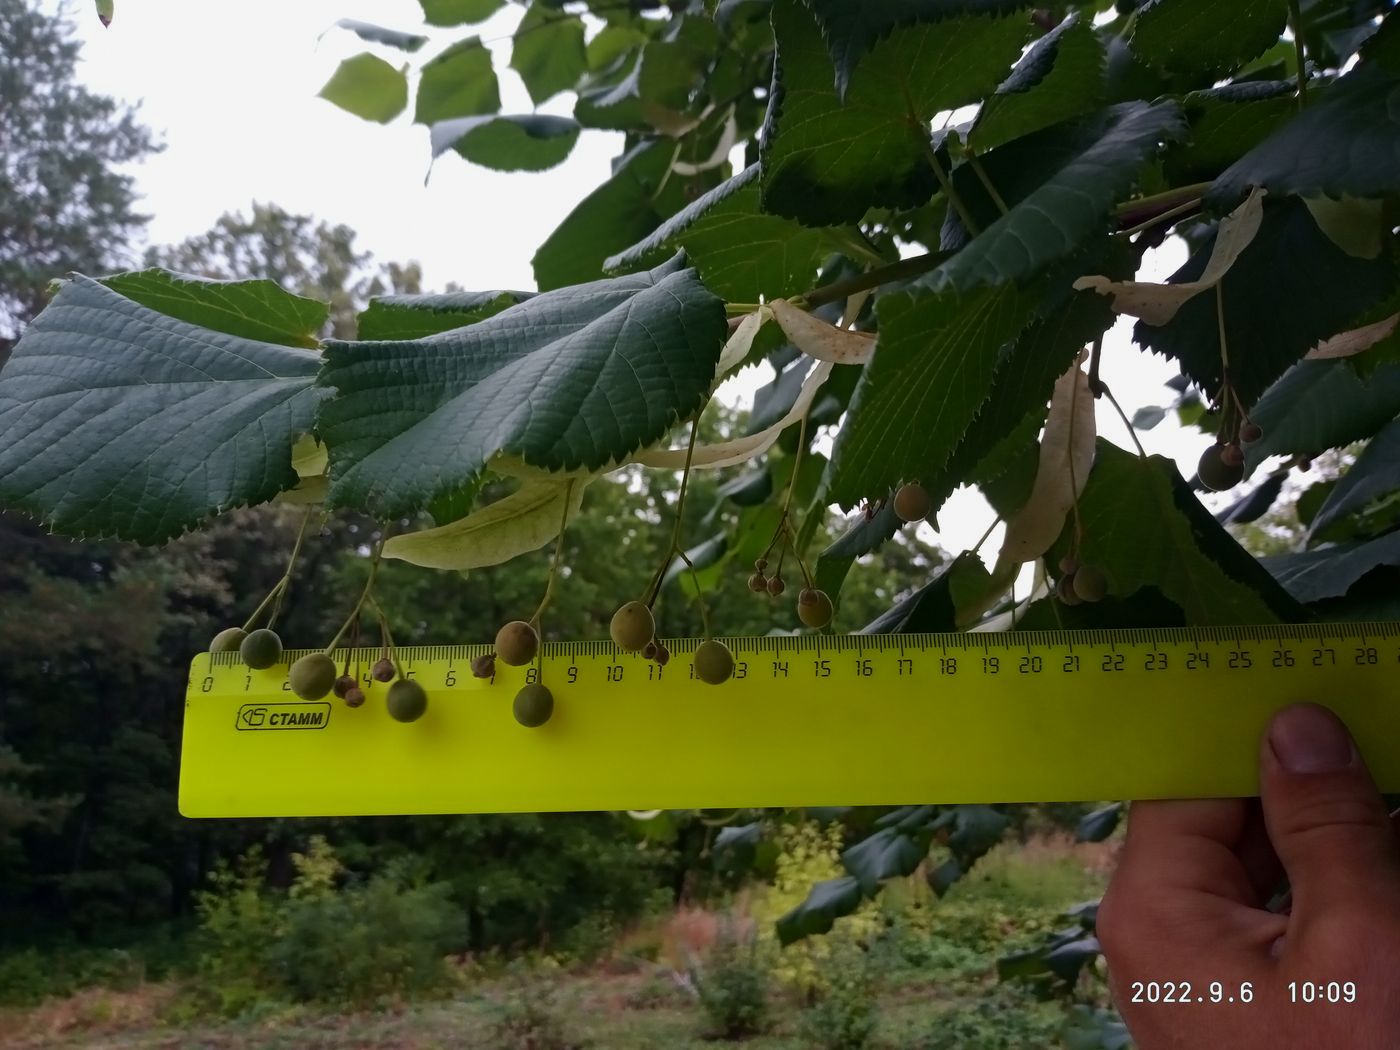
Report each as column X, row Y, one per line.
column 805, row 721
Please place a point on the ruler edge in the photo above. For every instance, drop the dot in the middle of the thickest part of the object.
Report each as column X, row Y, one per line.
column 841, row 642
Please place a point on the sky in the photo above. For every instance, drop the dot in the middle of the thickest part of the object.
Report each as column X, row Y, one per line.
column 233, row 98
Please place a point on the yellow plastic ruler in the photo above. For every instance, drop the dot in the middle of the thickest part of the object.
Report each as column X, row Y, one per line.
column 806, row 721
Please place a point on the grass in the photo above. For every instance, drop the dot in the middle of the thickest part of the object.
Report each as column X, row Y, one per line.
column 933, row 963
column 597, row 1016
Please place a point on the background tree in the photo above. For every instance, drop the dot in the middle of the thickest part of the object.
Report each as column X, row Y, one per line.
column 65, row 203
column 305, row 256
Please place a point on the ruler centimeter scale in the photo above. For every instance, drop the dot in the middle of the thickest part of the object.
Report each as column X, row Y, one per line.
column 811, row 720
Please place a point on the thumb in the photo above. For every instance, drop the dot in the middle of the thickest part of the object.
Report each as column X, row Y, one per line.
column 1325, row 817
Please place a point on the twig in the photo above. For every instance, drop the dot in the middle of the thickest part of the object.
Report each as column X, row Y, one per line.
column 1172, row 213
column 1132, row 430
column 843, row 289
column 981, row 174
column 1295, row 18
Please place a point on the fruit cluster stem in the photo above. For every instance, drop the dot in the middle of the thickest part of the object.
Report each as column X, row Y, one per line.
column 654, row 588
column 280, row 587
column 557, row 561
column 364, row 595
column 388, row 634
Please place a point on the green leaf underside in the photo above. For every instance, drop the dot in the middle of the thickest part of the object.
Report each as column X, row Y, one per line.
column 368, row 87
column 864, row 537
column 1332, row 571
column 1345, row 143
column 120, row 421
column 852, row 29
column 933, row 608
column 261, row 310
column 1015, row 408
column 1226, row 123
column 1273, row 314
column 1206, row 36
column 1319, row 405
column 826, row 161
column 374, row 34
column 933, row 366
column 460, row 82
column 624, row 209
column 1062, row 76
column 1145, row 528
column 548, row 51
column 567, row 380
column 458, row 12
column 1374, row 475
column 1072, row 205
column 529, row 142
column 414, row 316
column 827, row 902
column 743, row 254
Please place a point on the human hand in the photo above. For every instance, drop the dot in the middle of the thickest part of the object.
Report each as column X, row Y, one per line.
column 1188, row 903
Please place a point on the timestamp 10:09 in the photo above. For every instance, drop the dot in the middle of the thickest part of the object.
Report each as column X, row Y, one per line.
column 1216, row 992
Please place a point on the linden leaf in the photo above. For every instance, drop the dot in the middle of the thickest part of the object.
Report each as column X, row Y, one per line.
column 123, row 421
column 573, row 379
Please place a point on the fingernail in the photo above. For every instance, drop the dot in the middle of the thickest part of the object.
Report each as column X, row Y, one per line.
column 1310, row 739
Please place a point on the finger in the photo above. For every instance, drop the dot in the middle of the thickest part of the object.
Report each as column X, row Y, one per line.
column 1256, row 853
column 1326, row 820
column 1189, row 845
column 1182, row 894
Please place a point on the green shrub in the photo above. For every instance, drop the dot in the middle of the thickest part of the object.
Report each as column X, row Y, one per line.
column 732, row 987
column 28, row 977
column 1005, row 1019
column 843, row 1015
column 355, row 945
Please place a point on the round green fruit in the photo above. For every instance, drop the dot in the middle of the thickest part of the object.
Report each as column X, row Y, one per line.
column 313, row 676
column 407, row 700
column 814, row 607
column 1090, row 583
column 533, row 706
column 912, row 503
column 1216, row 473
column 517, row 643
column 261, row 649
column 632, row 627
column 228, row 640
column 714, row 663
